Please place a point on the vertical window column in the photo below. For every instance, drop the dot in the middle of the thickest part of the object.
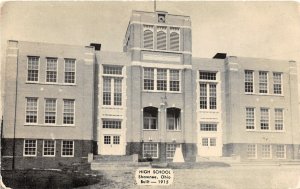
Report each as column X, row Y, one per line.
column 174, row 39
column 248, row 81
column 161, row 38
column 70, row 71
column 148, row 37
column 250, row 119
column 278, row 119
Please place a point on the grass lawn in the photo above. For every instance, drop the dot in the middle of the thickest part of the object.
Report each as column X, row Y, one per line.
column 39, row 179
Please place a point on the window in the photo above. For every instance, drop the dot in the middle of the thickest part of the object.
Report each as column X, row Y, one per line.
column 116, row 139
column 212, row 142
column 173, row 119
column 161, row 79
column 248, row 81
column 107, row 139
column 31, row 110
column 174, row 80
column 69, row 112
column 148, row 37
column 205, row 99
column 263, row 82
column 212, row 76
column 51, row 70
column 112, row 70
column 250, row 120
column 277, row 83
column 212, row 96
column 117, row 92
column 264, row 118
column 161, row 43
column 208, row 90
column 33, row 69
column 280, row 151
column 266, row 151
column 251, row 151
column 112, row 85
column 67, row 148
column 174, row 38
column 106, row 91
column 150, row 118
column 204, row 141
column 148, row 79
column 111, row 124
column 49, row 148
column 70, row 70
column 278, row 119
column 208, row 127
column 29, row 147
column 50, row 111
column 170, row 150
column 150, row 150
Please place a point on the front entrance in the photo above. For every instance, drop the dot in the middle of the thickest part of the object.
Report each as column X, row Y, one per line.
column 111, row 145
column 209, row 146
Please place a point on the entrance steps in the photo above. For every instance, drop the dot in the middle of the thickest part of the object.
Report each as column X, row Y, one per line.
column 114, row 162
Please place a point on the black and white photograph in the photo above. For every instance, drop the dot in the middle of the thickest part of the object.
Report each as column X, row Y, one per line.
column 150, row 94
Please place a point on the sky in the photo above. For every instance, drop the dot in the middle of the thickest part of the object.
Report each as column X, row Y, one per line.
column 248, row 29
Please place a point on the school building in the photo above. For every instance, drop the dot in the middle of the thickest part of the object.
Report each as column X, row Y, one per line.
column 63, row 102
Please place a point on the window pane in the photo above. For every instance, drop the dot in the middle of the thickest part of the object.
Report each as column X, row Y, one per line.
column 148, row 78
column 278, row 119
column 280, row 151
column 106, row 91
column 112, row 70
column 204, row 141
column 67, row 148
column 174, row 80
column 69, row 70
column 111, row 124
column 69, row 112
column 51, row 73
column 162, row 79
column 31, row 110
column 212, row 96
column 49, row 148
column 277, row 83
column 33, row 69
column 50, row 110
column 251, row 151
column 150, row 150
column 117, row 92
column 249, row 118
column 170, row 150
column 207, row 75
column 208, row 127
column 263, row 82
column 203, row 96
column 266, row 151
column 264, row 119
column 248, row 81
column 30, row 147
column 116, row 140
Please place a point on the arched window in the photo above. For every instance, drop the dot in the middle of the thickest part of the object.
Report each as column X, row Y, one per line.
column 173, row 119
column 148, row 37
column 150, row 118
column 174, row 41
column 161, row 43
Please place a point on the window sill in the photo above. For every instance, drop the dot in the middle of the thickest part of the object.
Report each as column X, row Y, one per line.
column 48, row 125
column 112, row 107
column 49, row 83
column 150, row 129
column 49, row 156
column 157, row 91
column 178, row 131
column 264, row 94
column 29, row 156
column 266, row 131
column 67, row 156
